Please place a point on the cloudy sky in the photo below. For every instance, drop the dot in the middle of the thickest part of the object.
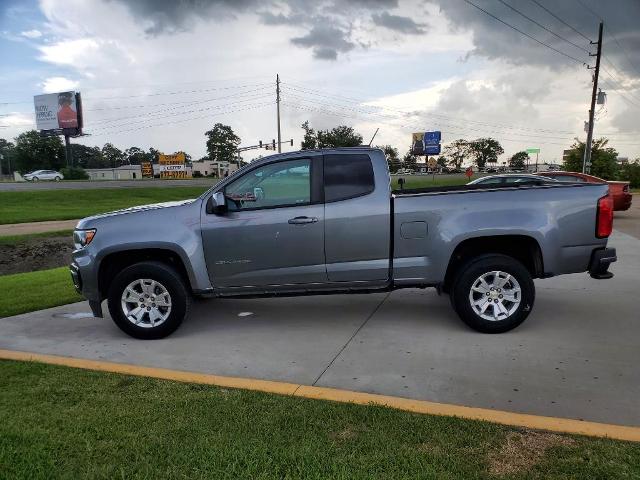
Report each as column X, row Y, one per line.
column 161, row 72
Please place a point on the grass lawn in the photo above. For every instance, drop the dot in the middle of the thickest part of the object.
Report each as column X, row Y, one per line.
column 17, row 239
column 63, row 422
column 41, row 205
column 27, row 292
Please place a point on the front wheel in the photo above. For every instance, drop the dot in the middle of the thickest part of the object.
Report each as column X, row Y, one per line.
column 493, row 293
column 148, row 300
column 35, row 179
column 57, row 179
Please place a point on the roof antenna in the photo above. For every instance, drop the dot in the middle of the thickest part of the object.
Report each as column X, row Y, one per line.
column 374, row 136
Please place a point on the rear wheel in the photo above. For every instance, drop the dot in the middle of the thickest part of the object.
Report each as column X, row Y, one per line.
column 493, row 293
column 148, row 300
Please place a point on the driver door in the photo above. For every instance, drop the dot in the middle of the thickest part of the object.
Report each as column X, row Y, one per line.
column 273, row 232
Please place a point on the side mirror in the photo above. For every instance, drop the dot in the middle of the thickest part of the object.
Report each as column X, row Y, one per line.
column 217, row 204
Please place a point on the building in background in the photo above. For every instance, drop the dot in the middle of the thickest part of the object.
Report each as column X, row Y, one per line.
column 213, row 168
column 125, row 172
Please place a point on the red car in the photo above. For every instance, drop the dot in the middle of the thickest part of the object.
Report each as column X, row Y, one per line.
column 618, row 190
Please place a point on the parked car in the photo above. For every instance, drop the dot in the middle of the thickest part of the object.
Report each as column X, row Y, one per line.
column 43, row 175
column 619, row 190
column 510, row 178
column 326, row 221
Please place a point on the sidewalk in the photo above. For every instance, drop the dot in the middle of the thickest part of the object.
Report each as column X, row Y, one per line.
column 36, row 227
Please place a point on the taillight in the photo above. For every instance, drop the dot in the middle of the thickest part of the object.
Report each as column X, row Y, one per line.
column 604, row 217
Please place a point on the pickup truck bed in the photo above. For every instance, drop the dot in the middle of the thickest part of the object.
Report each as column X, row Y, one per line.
column 326, row 221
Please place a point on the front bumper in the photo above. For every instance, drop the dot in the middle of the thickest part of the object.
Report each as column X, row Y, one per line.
column 600, row 261
column 76, row 278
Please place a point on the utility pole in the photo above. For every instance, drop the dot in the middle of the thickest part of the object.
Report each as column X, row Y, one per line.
column 586, row 159
column 278, row 108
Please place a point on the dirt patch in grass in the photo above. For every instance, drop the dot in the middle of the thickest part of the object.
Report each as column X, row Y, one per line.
column 347, row 433
column 35, row 254
column 523, row 450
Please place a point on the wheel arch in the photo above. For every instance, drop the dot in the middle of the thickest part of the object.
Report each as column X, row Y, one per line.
column 116, row 261
column 523, row 248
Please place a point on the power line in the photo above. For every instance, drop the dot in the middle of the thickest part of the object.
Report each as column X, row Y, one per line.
column 199, row 102
column 214, row 107
column 561, row 20
column 250, row 107
column 309, row 91
column 543, row 27
column 436, row 123
column 526, row 34
column 624, row 50
column 180, row 92
column 306, row 90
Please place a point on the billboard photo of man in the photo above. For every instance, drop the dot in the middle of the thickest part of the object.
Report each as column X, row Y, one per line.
column 67, row 114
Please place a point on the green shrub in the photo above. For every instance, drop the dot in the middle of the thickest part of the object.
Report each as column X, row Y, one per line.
column 631, row 172
column 74, row 173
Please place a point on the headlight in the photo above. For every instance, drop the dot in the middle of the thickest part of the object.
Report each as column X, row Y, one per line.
column 82, row 238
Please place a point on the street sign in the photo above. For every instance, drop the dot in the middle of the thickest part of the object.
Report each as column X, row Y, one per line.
column 432, row 150
column 432, row 138
column 532, row 150
column 432, row 163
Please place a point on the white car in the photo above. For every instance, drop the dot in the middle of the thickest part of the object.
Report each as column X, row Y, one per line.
column 43, row 175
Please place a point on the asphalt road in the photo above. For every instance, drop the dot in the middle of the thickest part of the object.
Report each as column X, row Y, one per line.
column 628, row 221
column 83, row 185
column 577, row 355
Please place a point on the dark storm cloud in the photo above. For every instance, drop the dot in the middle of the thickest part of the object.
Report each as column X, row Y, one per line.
column 167, row 16
column 495, row 40
column 398, row 23
column 326, row 41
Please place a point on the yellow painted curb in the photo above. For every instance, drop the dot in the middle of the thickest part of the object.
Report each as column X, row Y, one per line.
column 562, row 425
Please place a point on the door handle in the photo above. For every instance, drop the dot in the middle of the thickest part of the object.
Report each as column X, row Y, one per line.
column 302, row 220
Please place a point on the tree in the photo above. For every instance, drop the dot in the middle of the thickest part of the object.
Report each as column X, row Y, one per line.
column 340, row 136
column 135, row 156
column 457, row 152
column 113, row 156
column 410, row 161
column 631, row 172
column 603, row 159
column 222, row 143
column 518, row 160
column 442, row 162
column 485, row 150
column 309, row 141
column 87, row 157
column 35, row 152
column 7, row 150
column 391, row 154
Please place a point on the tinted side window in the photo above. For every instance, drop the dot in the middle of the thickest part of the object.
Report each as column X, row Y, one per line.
column 347, row 176
column 286, row 183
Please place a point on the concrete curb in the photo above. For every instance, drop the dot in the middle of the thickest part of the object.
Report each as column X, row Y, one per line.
column 562, row 425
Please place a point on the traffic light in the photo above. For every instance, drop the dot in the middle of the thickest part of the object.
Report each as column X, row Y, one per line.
column 292, row 142
column 274, row 144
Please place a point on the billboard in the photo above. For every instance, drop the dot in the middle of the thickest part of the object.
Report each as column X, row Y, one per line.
column 55, row 111
column 426, row 143
column 172, row 166
column 147, row 169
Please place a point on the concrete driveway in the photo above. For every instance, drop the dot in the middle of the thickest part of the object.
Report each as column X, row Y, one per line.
column 577, row 356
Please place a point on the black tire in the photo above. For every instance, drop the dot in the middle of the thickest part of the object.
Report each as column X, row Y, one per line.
column 57, row 179
column 35, row 179
column 471, row 271
column 169, row 279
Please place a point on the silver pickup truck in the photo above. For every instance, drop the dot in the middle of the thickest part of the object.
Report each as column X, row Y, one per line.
column 327, row 221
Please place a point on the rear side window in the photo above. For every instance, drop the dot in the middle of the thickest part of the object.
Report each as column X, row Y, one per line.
column 347, row 176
